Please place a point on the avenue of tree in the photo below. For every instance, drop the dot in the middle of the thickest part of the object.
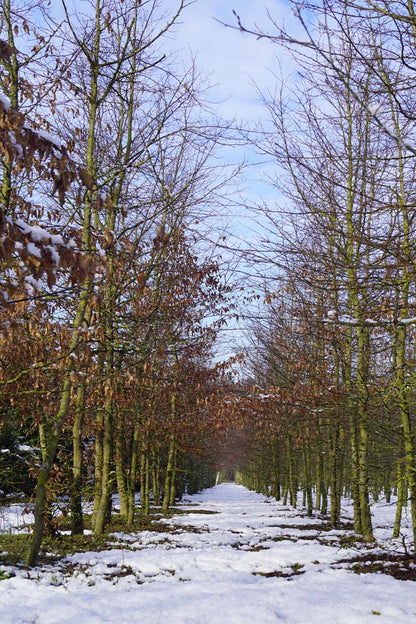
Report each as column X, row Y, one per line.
column 111, row 300
column 332, row 358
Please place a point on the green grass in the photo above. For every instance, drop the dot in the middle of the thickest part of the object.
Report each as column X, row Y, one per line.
column 13, row 548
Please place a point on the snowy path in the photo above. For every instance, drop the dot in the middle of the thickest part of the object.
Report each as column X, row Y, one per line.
column 253, row 562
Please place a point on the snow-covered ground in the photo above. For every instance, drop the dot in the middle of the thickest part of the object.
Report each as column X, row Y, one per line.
column 255, row 561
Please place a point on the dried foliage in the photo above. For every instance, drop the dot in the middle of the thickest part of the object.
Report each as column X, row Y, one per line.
column 29, row 253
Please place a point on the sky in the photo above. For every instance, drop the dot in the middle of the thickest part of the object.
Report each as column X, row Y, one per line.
column 233, row 60
column 237, row 66
column 228, row 58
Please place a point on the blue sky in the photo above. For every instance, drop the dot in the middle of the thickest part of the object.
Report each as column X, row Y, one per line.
column 236, row 65
column 231, row 59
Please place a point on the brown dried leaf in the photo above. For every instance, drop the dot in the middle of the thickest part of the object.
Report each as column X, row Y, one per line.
column 5, row 50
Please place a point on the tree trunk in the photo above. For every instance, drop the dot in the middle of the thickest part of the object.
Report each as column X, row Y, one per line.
column 106, row 489
column 169, row 473
column 120, row 471
column 401, row 497
column 77, row 522
column 52, row 438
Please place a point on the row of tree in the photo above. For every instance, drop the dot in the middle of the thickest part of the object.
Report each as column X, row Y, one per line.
column 332, row 357
column 110, row 304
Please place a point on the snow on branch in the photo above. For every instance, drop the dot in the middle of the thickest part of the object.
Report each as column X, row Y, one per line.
column 346, row 319
column 29, row 254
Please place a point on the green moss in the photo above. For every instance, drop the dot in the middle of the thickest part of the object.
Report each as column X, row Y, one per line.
column 57, row 546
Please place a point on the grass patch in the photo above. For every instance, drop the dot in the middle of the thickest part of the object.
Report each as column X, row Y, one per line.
column 178, row 511
column 13, row 548
column 321, row 526
column 350, row 541
column 296, row 571
column 54, row 548
column 248, row 548
column 401, row 567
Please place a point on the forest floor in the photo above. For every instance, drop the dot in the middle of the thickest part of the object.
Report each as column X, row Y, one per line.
column 228, row 556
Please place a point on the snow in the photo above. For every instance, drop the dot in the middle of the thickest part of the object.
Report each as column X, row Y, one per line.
column 27, row 448
column 54, row 254
column 39, row 234
column 375, row 108
column 49, row 137
column 17, row 146
column 5, row 101
column 347, row 319
column 15, row 519
column 408, row 321
column 56, row 239
column 211, row 568
column 33, row 250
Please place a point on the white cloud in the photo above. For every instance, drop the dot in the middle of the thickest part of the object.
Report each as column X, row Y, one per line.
column 232, row 60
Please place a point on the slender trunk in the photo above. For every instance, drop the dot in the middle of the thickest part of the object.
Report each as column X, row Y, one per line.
column 52, row 438
column 334, row 440
column 401, row 497
column 321, row 500
column 406, row 424
column 98, row 463
column 169, row 473
column 292, row 476
column 132, row 481
column 77, row 522
column 109, row 390
column 340, row 468
column 308, row 479
column 276, row 470
column 142, row 469
column 120, row 471
column 147, row 482
column 156, row 479
column 321, row 493
column 144, row 476
column 173, row 479
column 12, row 68
column 106, row 489
column 366, row 524
column 355, row 491
column 362, row 374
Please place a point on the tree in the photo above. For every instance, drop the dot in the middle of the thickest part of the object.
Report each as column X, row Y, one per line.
column 350, row 169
